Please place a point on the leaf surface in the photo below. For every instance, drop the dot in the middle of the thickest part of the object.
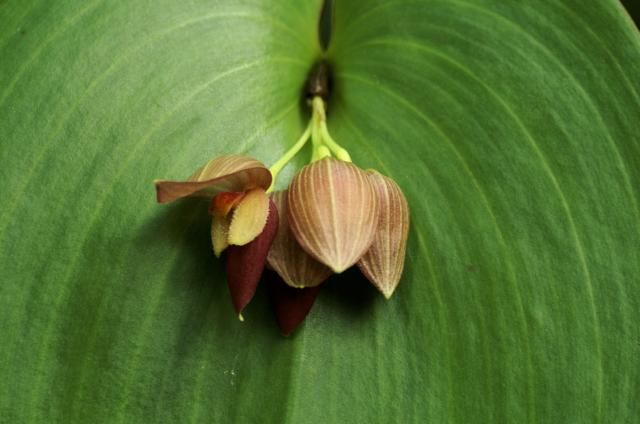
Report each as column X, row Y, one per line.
column 511, row 127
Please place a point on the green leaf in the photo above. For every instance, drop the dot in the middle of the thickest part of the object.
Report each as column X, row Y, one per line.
column 512, row 127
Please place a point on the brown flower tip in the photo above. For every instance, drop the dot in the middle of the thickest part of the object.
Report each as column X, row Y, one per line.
column 229, row 173
column 290, row 304
column 333, row 212
column 287, row 258
column 384, row 261
column 246, row 263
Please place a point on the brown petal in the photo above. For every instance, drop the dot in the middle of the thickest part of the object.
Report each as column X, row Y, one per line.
column 333, row 212
column 384, row 261
column 245, row 263
column 224, row 173
column 287, row 258
column 290, row 304
column 249, row 217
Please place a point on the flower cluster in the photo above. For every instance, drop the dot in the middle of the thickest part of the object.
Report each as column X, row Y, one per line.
column 334, row 215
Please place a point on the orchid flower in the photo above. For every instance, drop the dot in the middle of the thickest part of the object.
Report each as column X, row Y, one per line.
column 244, row 219
column 333, row 216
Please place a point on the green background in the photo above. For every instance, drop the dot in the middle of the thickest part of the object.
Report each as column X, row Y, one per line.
column 512, row 127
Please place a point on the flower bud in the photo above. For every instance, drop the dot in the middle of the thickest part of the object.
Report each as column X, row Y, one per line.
column 290, row 304
column 333, row 212
column 384, row 261
column 287, row 258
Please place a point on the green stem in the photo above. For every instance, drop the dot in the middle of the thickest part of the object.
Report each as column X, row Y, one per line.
column 319, row 149
column 323, row 144
column 323, row 136
column 337, row 150
column 282, row 162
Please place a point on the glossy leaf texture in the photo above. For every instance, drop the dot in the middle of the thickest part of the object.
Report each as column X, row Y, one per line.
column 512, row 128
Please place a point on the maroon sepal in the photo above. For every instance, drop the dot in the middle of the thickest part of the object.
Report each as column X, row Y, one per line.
column 290, row 304
column 245, row 263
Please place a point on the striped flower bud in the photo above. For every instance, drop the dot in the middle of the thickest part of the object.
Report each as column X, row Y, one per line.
column 286, row 257
column 383, row 263
column 333, row 212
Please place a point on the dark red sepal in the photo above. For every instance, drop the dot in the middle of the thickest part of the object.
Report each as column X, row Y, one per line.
column 245, row 263
column 290, row 304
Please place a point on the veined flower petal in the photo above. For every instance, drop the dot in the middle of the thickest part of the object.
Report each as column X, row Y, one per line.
column 246, row 263
column 228, row 173
column 287, row 258
column 384, row 261
column 249, row 217
column 333, row 212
